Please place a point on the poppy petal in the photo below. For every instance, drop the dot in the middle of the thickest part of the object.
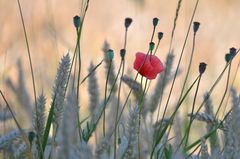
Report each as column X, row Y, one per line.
column 148, row 66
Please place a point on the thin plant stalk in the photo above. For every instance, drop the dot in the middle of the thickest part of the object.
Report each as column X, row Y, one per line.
column 139, row 121
column 184, row 84
column 90, row 73
column 78, row 83
column 162, row 132
column 158, row 44
column 74, row 73
column 30, row 61
column 175, row 23
column 119, row 94
column 105, row 96
column 29, row 53
column 24, row 137
column 180, row 59
column 79, row 32
column 83, row 13
column 105, row 104
column 160, row 100
column 213, row 86
column 189, row 66
column 117, row 111
column 225, row 91
column 144, row 91
column 155, row 51
column 125, row 103
column 210, row 91
column 234, row 78
column 170, row 47
column 191, row 117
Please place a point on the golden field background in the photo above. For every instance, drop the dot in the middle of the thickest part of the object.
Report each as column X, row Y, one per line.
column 51, row 34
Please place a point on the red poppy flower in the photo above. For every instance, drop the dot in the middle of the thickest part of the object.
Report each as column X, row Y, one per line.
column 151, row 67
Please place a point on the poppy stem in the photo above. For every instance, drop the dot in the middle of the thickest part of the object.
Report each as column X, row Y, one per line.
column 186, row 136
column 151, row 40
column 78, row 85
column 161, row 132
column 105, row 104
column 225, row 92
column 158, row 43
column 105, row 95
column 118, row 105
column 180, row 59
column 205, row 99
column 124, row 105
column 183, row 87
column 234, row 78
column 214, row 85
column 79, row 33
column 119, row 92
column 140, row 114
column 153, row 32
column 189, row 66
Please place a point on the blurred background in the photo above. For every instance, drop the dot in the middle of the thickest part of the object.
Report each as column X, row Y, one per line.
column 51, row 34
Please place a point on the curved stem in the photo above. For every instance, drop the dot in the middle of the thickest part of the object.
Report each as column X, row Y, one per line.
column 78, row 85
column 180, row 59
column 105, row 96
column 186, row 136
column 234, row 78
column 139, row 115
column 32, row 73
column 118, row 105
column 186, row 77
column 162, row 131
column 155, row 51
column 225, row 91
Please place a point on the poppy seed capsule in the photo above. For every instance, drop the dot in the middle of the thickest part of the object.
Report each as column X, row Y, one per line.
column 128, row 22
column 233, row 51
column 151, row 46
column 228, row 57
column 202, row 67
column 196, row 26
column 122, row 53
column 76, row 21
column 155, row 22
column 110, row 54
column 160, row 35
column 31, row 136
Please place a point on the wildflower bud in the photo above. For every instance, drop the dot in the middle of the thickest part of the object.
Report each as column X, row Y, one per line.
column 76, row 21
column 122, row 53
column 128, row 22
column 202, row 67
column 228, row 57
column 196, row 26
column 151, row 46
column 233, row 51
column 155, row 22
column 31, row 136
column 110, row 54
column 160, row 35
